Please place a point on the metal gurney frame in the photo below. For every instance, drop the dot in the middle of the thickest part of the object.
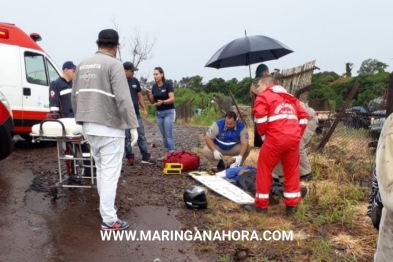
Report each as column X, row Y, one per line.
column 76, row 142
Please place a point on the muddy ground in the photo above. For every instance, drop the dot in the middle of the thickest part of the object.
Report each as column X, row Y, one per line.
column 36, row 228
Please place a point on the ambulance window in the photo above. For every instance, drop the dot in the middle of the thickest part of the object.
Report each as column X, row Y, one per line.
column 35, row 69
column 53, row 74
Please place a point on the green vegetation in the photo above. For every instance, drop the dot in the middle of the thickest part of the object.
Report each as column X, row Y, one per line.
column 208, row 116
column 327, row 85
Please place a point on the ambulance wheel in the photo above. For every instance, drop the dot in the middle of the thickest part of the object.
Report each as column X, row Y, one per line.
column 53, row 193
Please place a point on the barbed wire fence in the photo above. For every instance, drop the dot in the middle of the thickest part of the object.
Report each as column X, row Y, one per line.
column 349, row 137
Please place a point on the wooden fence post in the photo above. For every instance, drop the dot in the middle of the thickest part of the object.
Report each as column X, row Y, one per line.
column 237, row 108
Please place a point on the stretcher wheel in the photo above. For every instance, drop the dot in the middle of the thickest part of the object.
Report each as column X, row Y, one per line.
column 53, row 192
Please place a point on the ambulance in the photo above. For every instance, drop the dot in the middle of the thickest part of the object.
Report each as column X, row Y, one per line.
column 26, row 72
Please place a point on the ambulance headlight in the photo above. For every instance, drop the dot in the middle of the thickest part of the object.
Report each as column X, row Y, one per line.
column 5, row 102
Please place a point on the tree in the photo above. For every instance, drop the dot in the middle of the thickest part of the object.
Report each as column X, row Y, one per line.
column 170, row 81
column 372, row 66
column 242, row 91
column 143, row 81
column 140, row 48
column 232, row 85
column 323, row 86
column 348, row 69
column 371, row 86
column 196, row 83
column 217, row 85
column 185, row 82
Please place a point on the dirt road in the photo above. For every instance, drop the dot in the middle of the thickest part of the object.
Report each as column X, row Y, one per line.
column 36, row 228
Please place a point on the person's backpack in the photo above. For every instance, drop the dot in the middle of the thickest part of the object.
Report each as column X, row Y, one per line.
column 189, row 159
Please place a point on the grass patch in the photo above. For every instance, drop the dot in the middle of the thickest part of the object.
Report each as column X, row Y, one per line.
column 207, row 117
column 330, row 224
column 321, row 250
column 225, row 258
column 152, row 118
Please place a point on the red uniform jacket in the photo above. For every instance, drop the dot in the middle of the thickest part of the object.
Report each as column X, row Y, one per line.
column 279, row 115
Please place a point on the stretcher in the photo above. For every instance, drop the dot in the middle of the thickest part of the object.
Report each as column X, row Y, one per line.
column 222, row 187
column 68, row 135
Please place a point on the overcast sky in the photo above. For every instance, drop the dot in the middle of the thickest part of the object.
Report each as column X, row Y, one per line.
column 188, row 33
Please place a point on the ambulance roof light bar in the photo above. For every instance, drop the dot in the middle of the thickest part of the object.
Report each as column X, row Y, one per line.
column 4, row 33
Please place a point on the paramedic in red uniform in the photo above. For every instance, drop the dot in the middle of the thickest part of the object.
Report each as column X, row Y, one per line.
column 281, row 120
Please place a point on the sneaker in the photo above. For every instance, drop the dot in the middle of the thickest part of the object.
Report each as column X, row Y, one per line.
column 150, row 161
column 131, row 161
column 250, row 208
column 118, row 225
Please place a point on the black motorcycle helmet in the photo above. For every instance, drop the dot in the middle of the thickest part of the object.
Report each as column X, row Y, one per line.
column 195, row 197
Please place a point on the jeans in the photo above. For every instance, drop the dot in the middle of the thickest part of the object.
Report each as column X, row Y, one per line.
column 142, row 144
column 166, row 120
column 108, row 153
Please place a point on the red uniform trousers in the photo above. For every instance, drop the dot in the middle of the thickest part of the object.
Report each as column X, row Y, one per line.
column 287, row 149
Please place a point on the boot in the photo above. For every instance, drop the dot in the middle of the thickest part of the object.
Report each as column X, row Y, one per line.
column 290, row 211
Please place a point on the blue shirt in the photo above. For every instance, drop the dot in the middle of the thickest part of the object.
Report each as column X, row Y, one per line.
column 60, row 97
column 232, row 172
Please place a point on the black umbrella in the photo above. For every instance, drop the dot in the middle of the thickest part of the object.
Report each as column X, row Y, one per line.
column 248, row 50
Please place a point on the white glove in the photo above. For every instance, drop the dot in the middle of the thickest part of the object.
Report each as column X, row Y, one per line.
column 217, row 155
column 134, row 136
column 238, row 160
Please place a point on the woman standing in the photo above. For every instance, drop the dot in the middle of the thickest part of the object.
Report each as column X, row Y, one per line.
column 163, row 98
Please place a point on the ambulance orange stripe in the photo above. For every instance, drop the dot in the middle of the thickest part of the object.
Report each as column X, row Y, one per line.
column 18, row 37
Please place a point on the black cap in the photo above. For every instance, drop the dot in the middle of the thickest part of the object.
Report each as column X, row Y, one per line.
column 69, row 65
column 109, row 36
column 129, row 66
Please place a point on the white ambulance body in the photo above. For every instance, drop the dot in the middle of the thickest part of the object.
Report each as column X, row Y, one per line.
column 26, row 72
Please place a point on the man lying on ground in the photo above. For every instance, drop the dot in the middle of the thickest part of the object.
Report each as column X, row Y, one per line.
column 244, row 177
